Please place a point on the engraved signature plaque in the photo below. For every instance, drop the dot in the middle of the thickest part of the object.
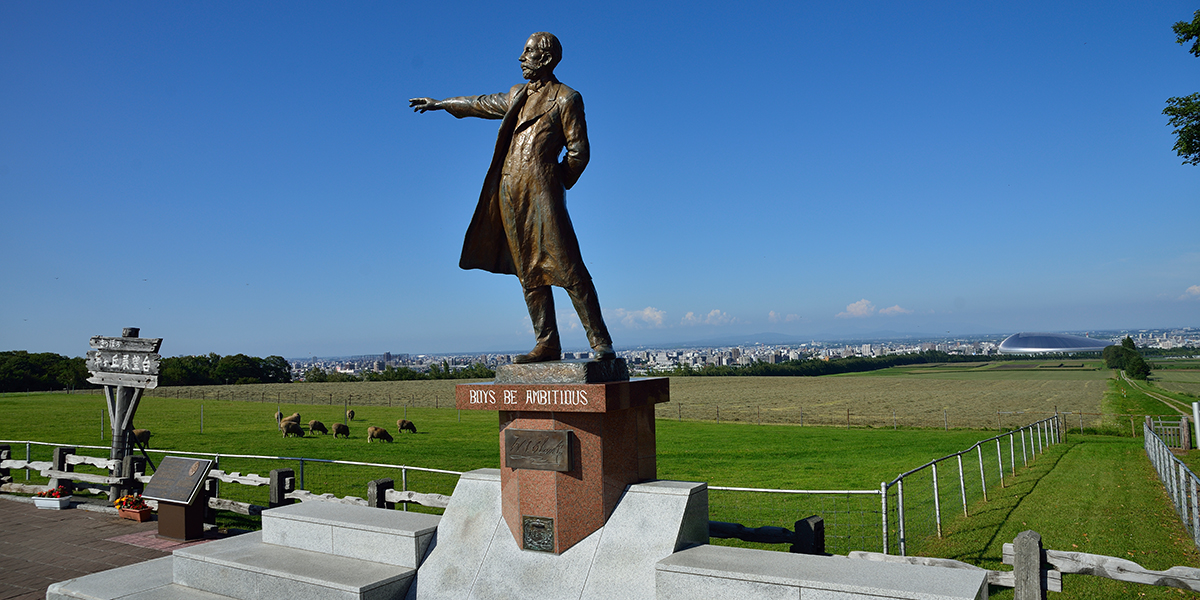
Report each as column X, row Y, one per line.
column 537, row 449
column 538, row 533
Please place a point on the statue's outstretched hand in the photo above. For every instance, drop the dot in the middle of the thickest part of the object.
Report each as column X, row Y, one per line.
column 423, row 104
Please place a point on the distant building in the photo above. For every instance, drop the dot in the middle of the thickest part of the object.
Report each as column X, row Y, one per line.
column 1051, row 343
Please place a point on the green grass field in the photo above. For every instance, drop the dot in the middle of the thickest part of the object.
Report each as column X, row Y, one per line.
column 1096, row 493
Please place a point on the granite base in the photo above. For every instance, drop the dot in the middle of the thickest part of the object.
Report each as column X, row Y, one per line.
column 474, row 556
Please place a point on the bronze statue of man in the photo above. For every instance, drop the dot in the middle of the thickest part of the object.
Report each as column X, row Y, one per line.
column 521, row 226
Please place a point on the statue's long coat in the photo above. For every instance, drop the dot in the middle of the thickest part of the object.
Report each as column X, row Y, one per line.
column 521, row 226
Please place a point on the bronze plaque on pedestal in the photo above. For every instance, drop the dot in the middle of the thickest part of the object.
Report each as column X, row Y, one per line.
column 537, row 449
column 538, row 534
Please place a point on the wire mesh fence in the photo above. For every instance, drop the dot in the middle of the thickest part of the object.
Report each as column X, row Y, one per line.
column 1182, row 485
column 911, row 506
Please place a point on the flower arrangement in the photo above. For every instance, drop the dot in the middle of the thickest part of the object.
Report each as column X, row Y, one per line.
column 61, row 491
column 131, row 502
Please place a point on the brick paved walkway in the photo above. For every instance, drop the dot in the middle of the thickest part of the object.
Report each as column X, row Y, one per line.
column 41, row 547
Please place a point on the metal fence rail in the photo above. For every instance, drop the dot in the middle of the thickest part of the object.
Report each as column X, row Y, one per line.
column 914, row 503
column 1182, row 485
column 911, row 506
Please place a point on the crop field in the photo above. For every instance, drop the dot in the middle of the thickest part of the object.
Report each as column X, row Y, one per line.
column 970, row 395
column 1178, row 381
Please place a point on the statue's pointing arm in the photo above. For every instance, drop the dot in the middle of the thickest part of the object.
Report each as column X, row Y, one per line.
column 490, row 106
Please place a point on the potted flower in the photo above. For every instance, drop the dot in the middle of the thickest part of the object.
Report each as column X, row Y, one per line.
column 133, row 507
column 54, row 499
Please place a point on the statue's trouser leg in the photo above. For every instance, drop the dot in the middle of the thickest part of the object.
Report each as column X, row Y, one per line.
column 583, row 296
column 540, row 301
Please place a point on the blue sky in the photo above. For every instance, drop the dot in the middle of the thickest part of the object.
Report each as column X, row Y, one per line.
column 246, row 177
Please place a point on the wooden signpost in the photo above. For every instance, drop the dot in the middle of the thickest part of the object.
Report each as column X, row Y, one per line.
column 125, row 366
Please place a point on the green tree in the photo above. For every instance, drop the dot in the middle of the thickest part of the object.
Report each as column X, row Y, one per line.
column 1184, row 111
column 1114, row 357
column 1136, row 367
column 1128, row 344
column 275, row 369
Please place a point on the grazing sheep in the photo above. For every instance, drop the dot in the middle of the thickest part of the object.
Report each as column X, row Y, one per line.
column 278, row 417
column 142, row 435
column 292, row 418
column 315, row 426
column 341, row 429
column 405, row 425
column 350, row 415
column 378, row 433
column 290, row 428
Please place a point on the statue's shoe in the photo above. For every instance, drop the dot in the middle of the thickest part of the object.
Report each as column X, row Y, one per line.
column 603, row 352
column 539, row 354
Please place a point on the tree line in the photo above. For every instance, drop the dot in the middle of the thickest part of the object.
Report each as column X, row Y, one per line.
column 214, row 369
column 21, row 371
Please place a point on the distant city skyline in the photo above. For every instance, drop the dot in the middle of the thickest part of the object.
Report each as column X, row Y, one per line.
column 248, row 178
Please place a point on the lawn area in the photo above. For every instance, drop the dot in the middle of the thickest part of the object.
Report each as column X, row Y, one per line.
column 1094, row 494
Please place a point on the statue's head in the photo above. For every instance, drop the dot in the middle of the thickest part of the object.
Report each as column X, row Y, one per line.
column 541, row 54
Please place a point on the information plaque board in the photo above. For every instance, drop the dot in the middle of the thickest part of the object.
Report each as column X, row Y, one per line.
column 177, row 479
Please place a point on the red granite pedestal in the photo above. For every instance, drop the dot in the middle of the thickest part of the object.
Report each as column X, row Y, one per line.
column 568, row 450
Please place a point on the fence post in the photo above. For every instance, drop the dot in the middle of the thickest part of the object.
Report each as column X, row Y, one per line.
column 131, row 467
column 1196, row 420
column 900, row 514
column 962, row 483
column 216, row 485
column 210, row 491
column 1012, row 455
column 810, row 536
column 1027, row 566
column 1000, row 459
column 282, row 482
column 1024, row 454
column 28, row 457
column 1195, row 512
column 377, row 493
column 937, row 502
column 1185, row 440
column 982, row 476
column 883, row 511
column 60, row 464
column 404, row 484
column 5, row 454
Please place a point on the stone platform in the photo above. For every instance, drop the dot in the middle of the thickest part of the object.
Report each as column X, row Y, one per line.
column 306, row 551
column 476, row 558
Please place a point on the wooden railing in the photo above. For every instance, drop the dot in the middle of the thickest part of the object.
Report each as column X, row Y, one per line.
column 282, row 483
column 1037, row 571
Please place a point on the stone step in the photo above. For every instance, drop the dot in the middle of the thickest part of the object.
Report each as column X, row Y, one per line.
column 245, row 568
column 388, row 536
column 150, row 580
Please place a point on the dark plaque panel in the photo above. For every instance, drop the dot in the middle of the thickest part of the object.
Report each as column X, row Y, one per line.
column 537, row 449
column 177, row 479
column 538, row 533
